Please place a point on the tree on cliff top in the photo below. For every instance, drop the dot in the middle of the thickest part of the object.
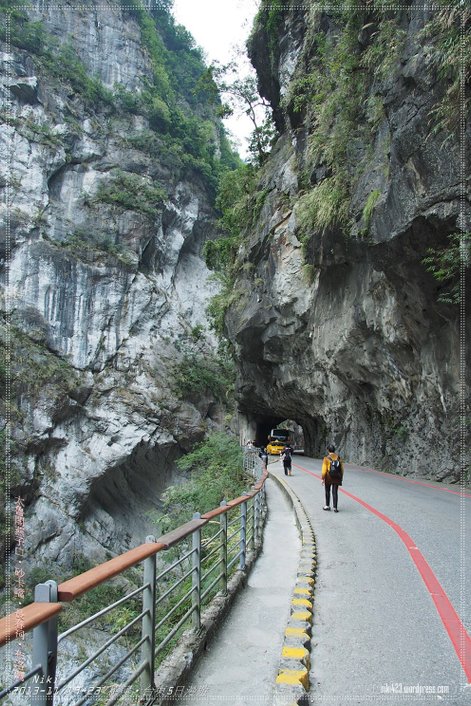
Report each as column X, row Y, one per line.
column 241, row 97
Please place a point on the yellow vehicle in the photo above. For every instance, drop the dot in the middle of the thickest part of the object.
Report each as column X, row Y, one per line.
column 275, row 447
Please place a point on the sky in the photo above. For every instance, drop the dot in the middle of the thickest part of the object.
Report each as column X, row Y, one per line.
column 220, row 26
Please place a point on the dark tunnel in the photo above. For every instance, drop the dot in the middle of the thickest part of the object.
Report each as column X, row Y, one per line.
column 308, row 433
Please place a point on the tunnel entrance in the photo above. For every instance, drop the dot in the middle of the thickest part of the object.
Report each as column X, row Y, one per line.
column 261, row 430
column 308, row 434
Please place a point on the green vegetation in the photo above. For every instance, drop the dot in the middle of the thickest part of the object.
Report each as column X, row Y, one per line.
column 131, row 192
column 37, row 132
column 333, row 93
column 203, row 372
column 195, row 376
column 369, row 207
column 446, row 263
column 94, row 600
column 239, row 203
column 309, row 274
column 181, row 116
column 341, row 96
column 323, row 207
column 216, row 468
column 33, row 366
column 177, row 65
column 382, row 56
column 60, row 61
column 234, row 197
column 216, row 473
column 448, row 40
column 65, row 66
column 91, row 245
column 270, row 17
column 23, row 33
column 401, row 433
column 33, row 369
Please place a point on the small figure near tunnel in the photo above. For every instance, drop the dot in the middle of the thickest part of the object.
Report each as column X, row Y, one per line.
column 286, row 457
column 332, row 475
column 263, row 454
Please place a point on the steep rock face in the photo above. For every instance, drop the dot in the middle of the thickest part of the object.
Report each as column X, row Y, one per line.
column 103, row 238
column 345, row 334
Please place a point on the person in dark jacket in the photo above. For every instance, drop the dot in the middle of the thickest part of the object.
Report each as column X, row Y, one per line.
column 263, row 454
column 332, row 476
column 286, row 457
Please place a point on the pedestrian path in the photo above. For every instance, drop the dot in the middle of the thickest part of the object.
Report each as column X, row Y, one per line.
column 241, row 663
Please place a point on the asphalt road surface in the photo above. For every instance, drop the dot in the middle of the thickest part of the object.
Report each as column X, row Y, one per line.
column 391, row 604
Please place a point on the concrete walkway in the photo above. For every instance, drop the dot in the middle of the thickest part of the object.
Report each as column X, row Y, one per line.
column 241, row 663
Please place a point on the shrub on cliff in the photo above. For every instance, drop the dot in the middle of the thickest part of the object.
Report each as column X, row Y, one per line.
column 216, row 473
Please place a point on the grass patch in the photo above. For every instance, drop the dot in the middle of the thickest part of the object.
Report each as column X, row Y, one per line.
column 89, row 245
column 216, row 473
column 448, row 39
column 131, row 192
column 34, row 367
column 323, row 207
column 369, row 207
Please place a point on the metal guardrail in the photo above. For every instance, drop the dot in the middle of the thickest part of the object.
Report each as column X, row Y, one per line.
column 168, row 601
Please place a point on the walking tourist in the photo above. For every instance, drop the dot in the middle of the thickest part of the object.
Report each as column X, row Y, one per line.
column 332, row 476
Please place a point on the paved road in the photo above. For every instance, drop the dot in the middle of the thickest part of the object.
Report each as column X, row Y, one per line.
column 386, row 561
column 378, row 633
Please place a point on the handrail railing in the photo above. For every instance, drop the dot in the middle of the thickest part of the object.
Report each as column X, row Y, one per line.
column 169, row 600
column 73, row 588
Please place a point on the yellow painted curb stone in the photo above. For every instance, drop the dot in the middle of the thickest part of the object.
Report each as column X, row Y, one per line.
column 306, row 579
column 296, row 632
column 294, row 677
column 302, row 615
column 294, row 652
column 302, row 602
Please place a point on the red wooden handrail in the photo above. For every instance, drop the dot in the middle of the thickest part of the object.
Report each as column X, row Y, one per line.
column 173, row 537
column 73, row 588
column 34, row 614
column 26, row 619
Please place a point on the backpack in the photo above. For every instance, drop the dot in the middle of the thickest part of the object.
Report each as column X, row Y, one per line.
column 287, row 455
column 335, row 472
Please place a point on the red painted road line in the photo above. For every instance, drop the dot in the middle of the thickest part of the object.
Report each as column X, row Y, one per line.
column 411, row 480
column 460, row 639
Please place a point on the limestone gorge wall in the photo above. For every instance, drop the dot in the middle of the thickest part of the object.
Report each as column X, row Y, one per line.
column 110, row 173
column 338, row 324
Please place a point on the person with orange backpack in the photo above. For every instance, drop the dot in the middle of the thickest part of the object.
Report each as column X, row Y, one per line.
column 332, row 475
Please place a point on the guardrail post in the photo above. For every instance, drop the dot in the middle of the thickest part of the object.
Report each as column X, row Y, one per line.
column 196, row 575
column 255, row 519
column 260, row 468
column 263, row 501
column 148, row 621
column 243, row 535
column 223, row 553
column 251, row 542
column 45, row 648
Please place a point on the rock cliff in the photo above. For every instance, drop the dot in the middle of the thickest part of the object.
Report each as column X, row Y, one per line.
column 109, row 162
column 339, row 325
